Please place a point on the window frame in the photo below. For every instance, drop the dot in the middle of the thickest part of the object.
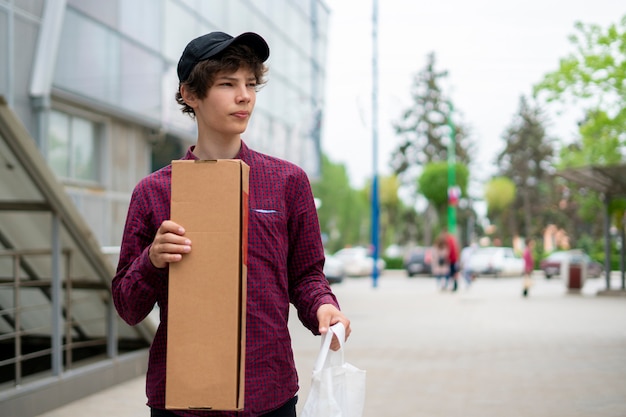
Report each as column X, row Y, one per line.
column 100, row 128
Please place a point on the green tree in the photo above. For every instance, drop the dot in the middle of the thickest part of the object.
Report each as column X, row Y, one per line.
column 344, row 212
column 424, row 133
column 594, row 74
column 527, row 161
column 389, row 209
column 433, row 184
column 423, row 127
column 499, row 195
column 393, row 212
column 598, row 145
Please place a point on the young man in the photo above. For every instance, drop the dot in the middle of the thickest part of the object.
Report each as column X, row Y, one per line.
column 219, row 76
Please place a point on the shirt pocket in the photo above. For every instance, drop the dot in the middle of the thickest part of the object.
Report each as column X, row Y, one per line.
column 267, row 233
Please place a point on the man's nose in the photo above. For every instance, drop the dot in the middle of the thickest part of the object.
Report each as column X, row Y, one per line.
column 244, row 94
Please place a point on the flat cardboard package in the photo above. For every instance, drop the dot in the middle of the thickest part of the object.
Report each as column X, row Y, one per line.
column 207, row 289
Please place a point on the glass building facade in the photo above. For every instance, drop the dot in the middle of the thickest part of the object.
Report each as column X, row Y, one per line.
column 93, row 83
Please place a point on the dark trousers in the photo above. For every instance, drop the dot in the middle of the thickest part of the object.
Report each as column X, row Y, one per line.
column 287, row 410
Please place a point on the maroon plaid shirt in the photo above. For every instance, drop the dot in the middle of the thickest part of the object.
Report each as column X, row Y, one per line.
column 285, row 263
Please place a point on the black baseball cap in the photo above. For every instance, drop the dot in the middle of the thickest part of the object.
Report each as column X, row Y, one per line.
column 211, row 44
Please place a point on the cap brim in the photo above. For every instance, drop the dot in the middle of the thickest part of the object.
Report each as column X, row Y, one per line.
column 254, row 41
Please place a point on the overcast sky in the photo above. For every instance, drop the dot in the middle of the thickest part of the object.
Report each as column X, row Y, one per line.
column 494, row 51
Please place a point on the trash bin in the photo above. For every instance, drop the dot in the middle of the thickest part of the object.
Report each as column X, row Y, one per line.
column 575, row 281
column 574, row 273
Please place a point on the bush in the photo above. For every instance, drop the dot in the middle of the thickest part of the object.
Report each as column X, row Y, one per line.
column 615, row 257
column 394, row 263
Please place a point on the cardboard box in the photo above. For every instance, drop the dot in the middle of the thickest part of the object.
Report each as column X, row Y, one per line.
column 207, row 289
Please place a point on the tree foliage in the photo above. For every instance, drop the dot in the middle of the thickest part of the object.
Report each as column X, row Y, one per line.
column 395, row 217
column 594, row 74
column 424, row 126
column 425, row 132
column 527, row 160
column 598, row 145
column 344, row 212
column 499, row 194
column 433, row 184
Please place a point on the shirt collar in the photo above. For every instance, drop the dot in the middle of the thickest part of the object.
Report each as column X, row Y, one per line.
column 242, row 154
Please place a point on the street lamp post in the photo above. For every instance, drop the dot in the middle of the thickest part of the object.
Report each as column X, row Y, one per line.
column 375, row 202
column 453, row 189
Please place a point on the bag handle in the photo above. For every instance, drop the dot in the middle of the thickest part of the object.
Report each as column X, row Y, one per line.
column 336, row 329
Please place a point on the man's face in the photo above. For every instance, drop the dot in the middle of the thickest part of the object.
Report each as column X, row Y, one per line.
column 229, row 103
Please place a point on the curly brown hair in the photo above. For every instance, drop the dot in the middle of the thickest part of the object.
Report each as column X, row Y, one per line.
column 231, row 60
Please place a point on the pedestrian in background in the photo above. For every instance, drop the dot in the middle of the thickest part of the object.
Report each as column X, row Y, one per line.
column 453, row 259
column 464, row 264
column 529, row 266
column 439, row 264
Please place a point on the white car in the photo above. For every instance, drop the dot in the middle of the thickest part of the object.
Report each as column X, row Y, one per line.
column 495, row 260
column 333, row 269
column 357, row 261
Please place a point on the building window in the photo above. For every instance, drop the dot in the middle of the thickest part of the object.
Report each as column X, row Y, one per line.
column 73, row 147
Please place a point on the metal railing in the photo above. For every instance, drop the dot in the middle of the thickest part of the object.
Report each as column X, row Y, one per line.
column 65, row 332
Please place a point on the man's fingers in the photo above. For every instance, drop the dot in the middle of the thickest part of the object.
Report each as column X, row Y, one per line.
column 171, row 227
column 174, row 248
column 328, row 315
column 169, row 244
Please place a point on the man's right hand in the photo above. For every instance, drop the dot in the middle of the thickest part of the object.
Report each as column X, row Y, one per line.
column 169, row 244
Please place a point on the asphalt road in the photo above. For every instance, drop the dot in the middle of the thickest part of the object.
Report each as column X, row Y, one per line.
column 480, row 352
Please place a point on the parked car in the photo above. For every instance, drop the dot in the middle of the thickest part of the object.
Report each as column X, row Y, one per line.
column 496, row 260
column 358, row 262
column 417, row 261
column 551, row 265
column 333, row 269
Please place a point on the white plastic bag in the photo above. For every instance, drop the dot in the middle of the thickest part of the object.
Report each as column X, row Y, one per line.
column 337, row 388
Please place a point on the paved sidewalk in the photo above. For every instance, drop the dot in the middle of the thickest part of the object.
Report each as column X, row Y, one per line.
column 481, row 352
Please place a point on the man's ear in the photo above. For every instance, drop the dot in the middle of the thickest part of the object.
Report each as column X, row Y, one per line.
column 188, row 96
